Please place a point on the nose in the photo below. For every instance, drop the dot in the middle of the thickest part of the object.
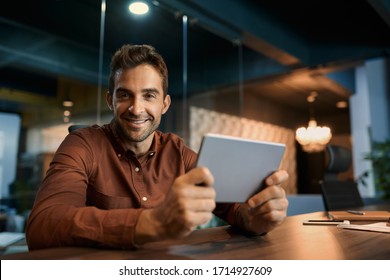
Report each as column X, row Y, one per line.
column 136, row 107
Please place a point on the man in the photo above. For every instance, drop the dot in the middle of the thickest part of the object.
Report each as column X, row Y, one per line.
column 123, row 184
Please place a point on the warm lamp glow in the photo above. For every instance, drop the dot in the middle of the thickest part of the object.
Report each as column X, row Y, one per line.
column 67, row 113
column 342, row 104
column 138, row 8
column 67, row 103
column 313, row 138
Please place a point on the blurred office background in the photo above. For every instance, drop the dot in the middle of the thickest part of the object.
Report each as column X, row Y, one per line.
column 253, row 68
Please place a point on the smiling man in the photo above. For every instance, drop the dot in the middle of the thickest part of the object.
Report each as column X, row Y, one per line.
column 138, row 101
column 125, row 183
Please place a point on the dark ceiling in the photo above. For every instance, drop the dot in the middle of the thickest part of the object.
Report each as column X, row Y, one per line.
column 288, row 48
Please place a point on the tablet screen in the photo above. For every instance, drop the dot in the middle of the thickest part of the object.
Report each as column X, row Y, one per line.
column 239, row 165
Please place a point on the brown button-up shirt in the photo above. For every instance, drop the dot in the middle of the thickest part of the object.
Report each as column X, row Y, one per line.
column 95, row 190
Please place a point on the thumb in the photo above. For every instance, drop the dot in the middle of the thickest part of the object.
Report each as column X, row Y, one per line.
column 200, row 176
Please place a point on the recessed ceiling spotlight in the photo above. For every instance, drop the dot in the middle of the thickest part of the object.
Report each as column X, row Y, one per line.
column 67, row 113
column 312, row 97
column 67, row 103
column 138, row 8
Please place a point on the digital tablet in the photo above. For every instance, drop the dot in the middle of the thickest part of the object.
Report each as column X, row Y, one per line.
column 239, row 165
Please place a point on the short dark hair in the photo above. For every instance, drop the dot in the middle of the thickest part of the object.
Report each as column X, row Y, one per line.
column 131, row 56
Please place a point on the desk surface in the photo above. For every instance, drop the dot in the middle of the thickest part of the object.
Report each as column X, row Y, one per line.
column 290, row 241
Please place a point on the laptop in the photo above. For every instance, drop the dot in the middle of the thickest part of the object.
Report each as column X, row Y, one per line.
column 239, row 165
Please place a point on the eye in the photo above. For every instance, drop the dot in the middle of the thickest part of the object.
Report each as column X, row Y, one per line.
column 150, row 95
column 122, row 95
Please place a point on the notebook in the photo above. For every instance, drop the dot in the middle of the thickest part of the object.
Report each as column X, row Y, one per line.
column 367, row 216
column 239, row 165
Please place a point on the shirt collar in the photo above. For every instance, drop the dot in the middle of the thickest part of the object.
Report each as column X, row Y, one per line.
column 119, row 145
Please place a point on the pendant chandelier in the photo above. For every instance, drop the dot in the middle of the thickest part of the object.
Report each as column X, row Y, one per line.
column 313, row 138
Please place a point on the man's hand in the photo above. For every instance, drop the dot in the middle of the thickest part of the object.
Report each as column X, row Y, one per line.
column 189, row 203
column 267, row 209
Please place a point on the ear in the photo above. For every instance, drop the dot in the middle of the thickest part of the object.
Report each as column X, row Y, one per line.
column 167, row 103
column 109, row 100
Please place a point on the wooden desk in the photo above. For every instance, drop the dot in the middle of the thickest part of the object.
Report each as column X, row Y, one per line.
column 290, row 241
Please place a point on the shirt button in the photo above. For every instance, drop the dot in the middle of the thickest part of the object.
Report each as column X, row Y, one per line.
column 119, row 155
column 144, row 198
column 136, row 169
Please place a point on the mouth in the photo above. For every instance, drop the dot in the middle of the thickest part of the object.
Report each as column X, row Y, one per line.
column 136, row 122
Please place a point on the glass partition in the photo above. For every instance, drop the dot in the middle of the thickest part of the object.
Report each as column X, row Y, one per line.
column 49, row 54
column 65, row 56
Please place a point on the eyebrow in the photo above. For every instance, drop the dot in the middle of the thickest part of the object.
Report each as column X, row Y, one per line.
column 145, row 90
column 148, row 90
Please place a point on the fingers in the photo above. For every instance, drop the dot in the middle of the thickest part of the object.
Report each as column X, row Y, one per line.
column 266, row 215
column 267, row 194
column 200, row 205
column 197, row 176
column 271, row 206
column 187, row 187
column 272, row 190
column 196, row 219
column 277, row 178
column 265, row 218
column 188, row 204
column 271, row 212
column 268, row 208
column 194, row 192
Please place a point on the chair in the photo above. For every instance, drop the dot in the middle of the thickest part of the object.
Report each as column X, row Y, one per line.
column 339, row 159
column 76, row 126
column 339, row 195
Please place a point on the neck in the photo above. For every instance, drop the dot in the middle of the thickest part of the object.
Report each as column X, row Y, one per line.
column 140, row 148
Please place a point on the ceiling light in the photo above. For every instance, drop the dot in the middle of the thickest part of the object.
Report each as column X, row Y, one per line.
column 312, row 97
column 138, row 8
column 67, row 113
column 313, row 138
column 67, row 103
